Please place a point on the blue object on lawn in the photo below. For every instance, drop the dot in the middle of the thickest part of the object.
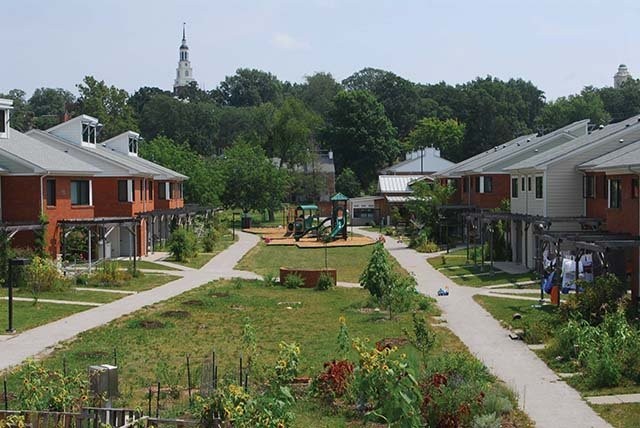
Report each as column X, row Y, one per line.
column 443, row 292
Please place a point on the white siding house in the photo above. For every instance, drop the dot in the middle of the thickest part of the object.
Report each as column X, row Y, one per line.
column 556, row 181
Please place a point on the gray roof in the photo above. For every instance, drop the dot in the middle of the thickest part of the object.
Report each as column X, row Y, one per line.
column 625, row 157
column 108, row 161
column 22, row 154
column 501, row 157
column 558, row 153
column 428, row 163
column 458, row 169
column 398, row 183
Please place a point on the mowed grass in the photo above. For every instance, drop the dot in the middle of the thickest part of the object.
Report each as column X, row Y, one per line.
column 26, row 315
column 70, row 295
column 495, row 279
column 143, row 264
column 620, row 415
column 503, row 309
column 146, row 281
column 349, row 261
column 203, row 258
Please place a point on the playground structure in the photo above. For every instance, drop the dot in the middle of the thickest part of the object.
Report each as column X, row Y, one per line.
column 307, row 221
column 305, row 228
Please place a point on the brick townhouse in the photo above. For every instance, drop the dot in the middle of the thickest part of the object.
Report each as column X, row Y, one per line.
column 127, row 202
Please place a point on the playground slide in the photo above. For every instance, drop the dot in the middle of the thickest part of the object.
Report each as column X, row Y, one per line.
column 337, row 229
column 313, row 229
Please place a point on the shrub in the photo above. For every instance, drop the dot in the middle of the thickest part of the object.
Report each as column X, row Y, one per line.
column 428, row 247
column 490, row 420
column 602, row 368
column 497, row 404
column 269, row 280
column 209, row 239
column 109, row 275
column 293, row 280
column 399, row 297
column 325, row 282
column 598, row 298
column 423, row 338
column 183, row 245
column 42, row 275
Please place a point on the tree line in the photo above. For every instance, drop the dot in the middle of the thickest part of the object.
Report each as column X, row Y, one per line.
column 369, row 120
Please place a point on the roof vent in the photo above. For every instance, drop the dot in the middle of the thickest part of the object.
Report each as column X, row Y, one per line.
column 535, row 150
column 627, row 125
column 601, row 127
column 528, row 140
column 639, row 119
column 621, row 140
column 103, row 145
column 518, row 144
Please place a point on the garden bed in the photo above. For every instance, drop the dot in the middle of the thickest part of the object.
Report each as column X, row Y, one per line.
column 146, row 355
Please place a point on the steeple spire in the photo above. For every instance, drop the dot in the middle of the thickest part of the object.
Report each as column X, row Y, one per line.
column 184, row 37
column 184, row 73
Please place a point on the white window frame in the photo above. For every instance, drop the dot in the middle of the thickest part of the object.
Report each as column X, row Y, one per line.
column 130, row 190
column 535, row 187
column 167, row 191
column 5, row 119
column 481, row 190
column 92, row 133
column 610, row 193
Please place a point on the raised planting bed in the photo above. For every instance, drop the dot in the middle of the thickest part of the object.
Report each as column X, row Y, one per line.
column 310, row 276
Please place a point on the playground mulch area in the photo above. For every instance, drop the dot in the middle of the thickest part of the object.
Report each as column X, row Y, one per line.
column 275, row 236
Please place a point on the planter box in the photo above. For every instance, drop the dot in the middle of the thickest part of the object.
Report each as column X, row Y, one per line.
column 310, row 276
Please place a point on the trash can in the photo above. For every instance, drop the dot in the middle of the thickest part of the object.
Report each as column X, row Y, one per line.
column 246, row 222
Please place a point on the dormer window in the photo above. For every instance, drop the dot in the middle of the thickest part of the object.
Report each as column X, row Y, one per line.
column 133, row 145
column 89, row 133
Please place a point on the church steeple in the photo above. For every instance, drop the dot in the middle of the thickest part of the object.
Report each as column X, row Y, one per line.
column 184, row 73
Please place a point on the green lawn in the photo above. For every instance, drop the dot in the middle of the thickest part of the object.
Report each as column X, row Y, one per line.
column 620, row 415
column 497, row 278
column 538, row 323
column 147, row 281
column 151, row 343
column 26, row 315
column 143, row 264
column 267, row 259
column 203, row 258
column 69, row 294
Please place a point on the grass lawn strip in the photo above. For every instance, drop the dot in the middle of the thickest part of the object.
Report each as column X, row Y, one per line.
column 349, row 261
column 143, row 264
column 495, row 279
column 620, row 415
column 203, row 258
column 151, row 342
column 26, row 315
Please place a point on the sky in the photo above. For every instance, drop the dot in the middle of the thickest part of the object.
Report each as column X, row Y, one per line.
column 561, row 46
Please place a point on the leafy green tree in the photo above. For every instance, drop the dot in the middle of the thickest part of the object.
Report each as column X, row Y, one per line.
column 565, row 110
column 365, row 79
column 293, row 128
column 424, row 204
column 21, row 115
column 622, row 102
column 347, row 183
column 190, row 123
column 183, row 244
column 318, row 92
column 445, row 135
column 108, row 104
column 193, row 93
column 206, row 182
column 252, row 180
column 142, row 96
column 360, row 134
column 49, row 105
column 378, row 275
column 250, row 87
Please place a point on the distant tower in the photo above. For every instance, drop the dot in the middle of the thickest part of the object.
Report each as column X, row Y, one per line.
column 621, row 76
column 184, row 73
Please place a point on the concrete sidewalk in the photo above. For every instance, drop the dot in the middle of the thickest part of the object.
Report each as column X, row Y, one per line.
column 548, row 400
column 42, row 340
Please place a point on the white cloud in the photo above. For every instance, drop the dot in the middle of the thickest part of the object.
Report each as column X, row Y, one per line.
column 288, row 42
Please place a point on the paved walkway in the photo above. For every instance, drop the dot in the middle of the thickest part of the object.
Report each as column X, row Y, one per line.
column 614, row 399
column 42, row 340
column 548, row 400
column 55, row 301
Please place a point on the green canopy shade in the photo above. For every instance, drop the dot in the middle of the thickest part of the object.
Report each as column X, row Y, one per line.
column 308, row 207
column 339, row 197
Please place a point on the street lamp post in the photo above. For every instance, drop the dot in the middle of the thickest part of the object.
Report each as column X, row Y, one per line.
column 13, row 263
